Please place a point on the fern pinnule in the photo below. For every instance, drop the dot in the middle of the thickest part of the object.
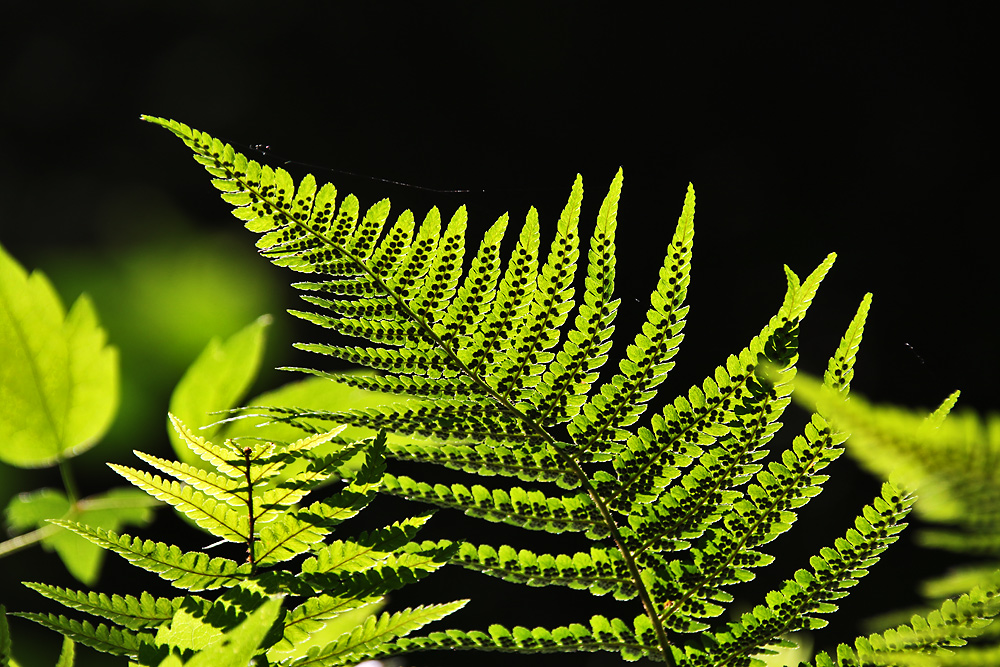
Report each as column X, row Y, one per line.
column 103, row 638
column 601, row 571
column 128, row 611
column 366, row 641
column 194, row 570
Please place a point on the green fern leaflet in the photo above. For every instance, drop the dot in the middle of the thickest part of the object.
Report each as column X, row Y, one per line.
column 502, row 363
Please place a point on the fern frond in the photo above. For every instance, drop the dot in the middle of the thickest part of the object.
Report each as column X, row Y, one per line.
column 390, row 573
column 224, row 488
column 127, row 611
column 219, row 457
column 443, row 418
column 292, row 534
column 728, row 553
column 931, row 639
column 193, row 571
column 477, row 292
column 368, row 550
column 518, row 375
column 500, row 375
column 101, row 637
column 567, row 380
column 410, row 386
column 265, row 464
column 287, row 536
column 312, row 616
column 493, row 341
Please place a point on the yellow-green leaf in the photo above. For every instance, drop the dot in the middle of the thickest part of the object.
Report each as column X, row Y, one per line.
column 58, row 379
column 217, row 380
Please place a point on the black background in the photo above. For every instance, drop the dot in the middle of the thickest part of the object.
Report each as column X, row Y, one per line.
column 805, row 130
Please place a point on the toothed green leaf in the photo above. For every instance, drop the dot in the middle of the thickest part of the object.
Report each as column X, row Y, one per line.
column 58, row 379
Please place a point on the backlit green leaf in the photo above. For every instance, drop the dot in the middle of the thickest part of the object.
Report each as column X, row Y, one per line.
column 217, row 380
column 58, row 379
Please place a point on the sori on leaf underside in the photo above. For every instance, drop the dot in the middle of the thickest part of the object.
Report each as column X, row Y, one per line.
column 498, row 368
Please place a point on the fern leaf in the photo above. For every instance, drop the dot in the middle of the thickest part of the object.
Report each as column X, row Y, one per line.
column 292, row 534
column 729, row 552
column 602, row 635
column 518, row 507
column 264, row 467
column 491, row 458
column 312, row 616
column 493, row 340
column 128, row 611
column 404, row 362
column 390, row 573
column 371, row 639
column 566, row 382
column 415, row 386
column 192, row 571
column 368, row 550
column 930, row 639
column 601, row 571
column 319, row 470
column 520, row 370
column 101, row 637
column 840, row 370
column 229, row 490
column 443, row 418
column 621, row 400
column 443, row 272
column 476, row 294
column 215, row 517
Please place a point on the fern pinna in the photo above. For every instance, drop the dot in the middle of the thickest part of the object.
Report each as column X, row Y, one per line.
column 500, row 380
column 248, row 497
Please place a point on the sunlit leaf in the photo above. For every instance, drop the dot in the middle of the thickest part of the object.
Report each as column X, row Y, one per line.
column 58, row 379
column 217, row 649
column 217, row 380
column 68, row 653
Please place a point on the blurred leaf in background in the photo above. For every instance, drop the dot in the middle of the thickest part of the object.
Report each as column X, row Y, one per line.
column 165, row 285
column 58, row 379
column 219, row 378
column 110, row 511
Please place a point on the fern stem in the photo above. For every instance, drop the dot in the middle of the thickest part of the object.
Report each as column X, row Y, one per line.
column 250, row 537
column 633, row 568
